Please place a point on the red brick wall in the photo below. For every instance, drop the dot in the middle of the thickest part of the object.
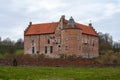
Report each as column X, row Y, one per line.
column 89, row 49
column 79, row 47
column 28, row 44
column 40, row 41
column 72, row 41
column 87, row 46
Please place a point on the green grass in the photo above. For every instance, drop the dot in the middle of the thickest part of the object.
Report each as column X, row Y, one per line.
column 59, row 73
column 17, row 52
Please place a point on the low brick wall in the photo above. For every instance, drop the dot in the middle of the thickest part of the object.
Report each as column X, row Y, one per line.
column 49, row 62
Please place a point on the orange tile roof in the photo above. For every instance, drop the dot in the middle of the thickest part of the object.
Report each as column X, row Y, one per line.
column 48, row 28
column 87, row 29
column 44, row 28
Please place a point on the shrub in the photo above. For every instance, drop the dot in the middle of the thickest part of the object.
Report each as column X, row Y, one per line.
column 41, row 56
column 110, row 52
column 15, row 62
column 63, row 56
column 109, row 59
column 73, row 56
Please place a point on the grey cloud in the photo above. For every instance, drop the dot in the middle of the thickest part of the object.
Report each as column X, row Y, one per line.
column 15, row 14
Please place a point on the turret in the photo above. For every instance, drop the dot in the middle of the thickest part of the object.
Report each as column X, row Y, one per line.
column 71, row 23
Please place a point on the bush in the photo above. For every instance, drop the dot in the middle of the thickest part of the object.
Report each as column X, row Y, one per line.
column 109, row 59
column 73, row 56
column 110, row 52
column 41, row 56
column 15, row 62
column 63, row 56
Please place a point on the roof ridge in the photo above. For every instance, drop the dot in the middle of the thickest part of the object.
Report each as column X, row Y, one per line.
column 83, row 24
column 45, row 23
column 50, row 27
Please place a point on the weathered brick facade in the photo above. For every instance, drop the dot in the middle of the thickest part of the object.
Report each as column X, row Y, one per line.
column 63, row 37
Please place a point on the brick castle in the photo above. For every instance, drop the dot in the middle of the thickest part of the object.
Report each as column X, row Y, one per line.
column 62, row 37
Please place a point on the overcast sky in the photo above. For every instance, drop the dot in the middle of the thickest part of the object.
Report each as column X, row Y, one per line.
column 15, row 15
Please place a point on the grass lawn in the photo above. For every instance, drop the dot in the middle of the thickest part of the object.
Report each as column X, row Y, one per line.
column 17, row 52
column 59, row 73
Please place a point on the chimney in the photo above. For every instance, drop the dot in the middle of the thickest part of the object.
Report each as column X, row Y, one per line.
column 30, row 23
column 90, row 24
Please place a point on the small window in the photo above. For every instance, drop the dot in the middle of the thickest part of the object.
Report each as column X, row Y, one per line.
column 66, row 47
column 58, row 40
column 66, row 38
column 79, row 47
column 59, row 48
column 48, row 41
column 59, row 33
column 32, row 42
column 33, row 50
column 82, row 40
column 45, row 49
column 92, row 49
column 78, row 38
column 82, row 46
column 93, row 42
column 51, row 49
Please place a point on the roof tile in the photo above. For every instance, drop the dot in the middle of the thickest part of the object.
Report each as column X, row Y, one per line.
column 48, row 28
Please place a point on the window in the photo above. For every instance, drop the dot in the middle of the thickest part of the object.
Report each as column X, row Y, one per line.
column 59, row 33
column 66, row 38
column 45, row 49
column 59, row 48
column 92, row 42
column 51, row 49
column 78, row 38
column 79, row 47
column 32, row 42
column 58, row 41
column 33, row 51
column 48, row 41
column 85, row 41
column 66, row 47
